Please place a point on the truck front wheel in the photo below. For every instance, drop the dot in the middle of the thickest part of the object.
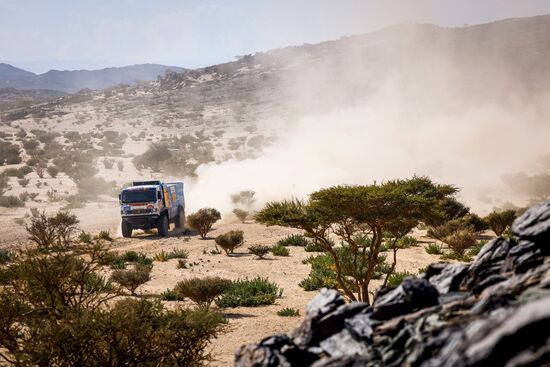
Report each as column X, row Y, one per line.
column 126, row 229
column 162, row 226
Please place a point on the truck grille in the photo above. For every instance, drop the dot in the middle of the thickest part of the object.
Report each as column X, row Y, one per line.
column 140, row 211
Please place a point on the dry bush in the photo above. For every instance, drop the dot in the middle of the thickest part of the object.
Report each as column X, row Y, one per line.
column 132, row 278
column 259, row 250
column 499, row 221
column 230, row 241
column 245, row 198
column 460, row 241
column 203, row 220
column 202, row 291
column 4, row 185
column 9, row 153
column 40, row 170
column 241, row 214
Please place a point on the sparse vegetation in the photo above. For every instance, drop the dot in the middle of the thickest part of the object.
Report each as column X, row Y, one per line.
column 170, row 295
column 293, row 240
column 105, row 236
column 6, row 256
column 85, row 237
column 131, row 279
column 434, row 249
column 229, row 241
column 397, row 278
column 460, row 241
column 203, row 220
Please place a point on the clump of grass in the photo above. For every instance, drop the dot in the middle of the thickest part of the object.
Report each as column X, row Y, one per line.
column 182, row 264
column 178, row 254
column 313, row 247
column 104, row 235
column 288, row 312
column 434, row 249
column 84, row 237
column 161, row 256
column 278, row 250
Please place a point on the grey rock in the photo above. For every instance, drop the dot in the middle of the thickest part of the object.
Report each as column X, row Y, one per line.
column 411, row 295
column 534, row 224
column 343, row 344
column 449, row 278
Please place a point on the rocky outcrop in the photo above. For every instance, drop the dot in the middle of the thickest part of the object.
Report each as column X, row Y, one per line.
column 492, row 312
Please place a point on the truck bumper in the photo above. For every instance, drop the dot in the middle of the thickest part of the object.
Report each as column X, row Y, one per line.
column 142, row 221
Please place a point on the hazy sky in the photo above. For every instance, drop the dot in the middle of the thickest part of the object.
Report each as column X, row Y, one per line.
column 39, row 35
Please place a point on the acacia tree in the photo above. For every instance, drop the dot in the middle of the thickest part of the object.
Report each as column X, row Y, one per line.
column 360, row 216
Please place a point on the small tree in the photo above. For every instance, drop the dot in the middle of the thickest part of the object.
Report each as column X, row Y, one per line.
column 229, row 241
column 53, row 171
column 241, row 214
column 259, row 250
column 203, row 220
column 499, row 221
column 359, row 216
column 202, row 291
column 460, row 241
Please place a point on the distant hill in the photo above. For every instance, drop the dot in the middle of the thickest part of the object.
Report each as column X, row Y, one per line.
column 75, row 80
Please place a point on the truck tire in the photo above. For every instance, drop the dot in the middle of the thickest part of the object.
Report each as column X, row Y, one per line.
column 126, row 228
column 180, row 218
column 162, row 226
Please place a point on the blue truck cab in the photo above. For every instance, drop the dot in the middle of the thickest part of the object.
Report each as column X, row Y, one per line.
column 152, row 204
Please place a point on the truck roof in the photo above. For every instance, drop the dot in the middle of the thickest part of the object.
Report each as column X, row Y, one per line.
column 141, row 187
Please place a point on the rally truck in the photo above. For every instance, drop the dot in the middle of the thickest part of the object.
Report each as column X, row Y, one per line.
column 152, row 204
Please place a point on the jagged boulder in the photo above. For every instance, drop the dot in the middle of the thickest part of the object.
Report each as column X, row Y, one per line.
column 492, row 312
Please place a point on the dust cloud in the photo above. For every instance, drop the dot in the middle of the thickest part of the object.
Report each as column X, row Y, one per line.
column 461, row 120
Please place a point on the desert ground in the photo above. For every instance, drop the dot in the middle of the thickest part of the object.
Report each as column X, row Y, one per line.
column 246, row 324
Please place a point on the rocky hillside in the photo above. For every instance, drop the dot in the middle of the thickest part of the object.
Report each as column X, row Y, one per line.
column 75, row 80
column 492, row 312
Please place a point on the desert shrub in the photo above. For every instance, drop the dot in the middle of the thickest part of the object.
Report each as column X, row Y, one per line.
column 91, row 187
column 33, row 196
column 6, row 256
column 9, row 153
column 202, row 291
column 24, row 196
column 85, row 237
column 245, row 198
column 250, row 293
column 182, row 264
column 104, row 235
column 153, row 157
column 499, row 221
column 53, row 196
column 259, row 250
column 30, row 145
column 397, row 278
column 161, row 256
column 132, row 278
column 280, row 251
column 229, row 241
column 53, row 171
column 74, row 202
column 460, row 241
column 19, row 221
column 434, row 249
column 288, row 312
column 170, row 295
column 293, row 240
column 23, row 182
column 203, row 220
column 177, row 254
column 4, row 184
column 445, row 230
column 136, row 257
column 315, row 247
column 241, row 214
column 120, row 165
column 108, row 163
column 407, row 241
column 11, row 201
column 39, row 170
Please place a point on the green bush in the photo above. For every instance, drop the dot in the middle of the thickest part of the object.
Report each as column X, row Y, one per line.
column 434, row 249
column 407, row 241
column 500, row 221
column 11, row 201
column 460, row 241
column 293, row 240
column 202, row 291
column 132, row 278
column 288, row 312
column 229, row 241
column 23, row 182
column 280, row 251
column 85, row 237
column 203, row 220
column 397, row 278
column 178, row 254
column 259, row 250
column 104, row 235
column 136, row 257
column 250, row 293
column 53, row 171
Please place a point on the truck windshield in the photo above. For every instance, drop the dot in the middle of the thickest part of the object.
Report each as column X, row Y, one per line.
column 139, row 196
